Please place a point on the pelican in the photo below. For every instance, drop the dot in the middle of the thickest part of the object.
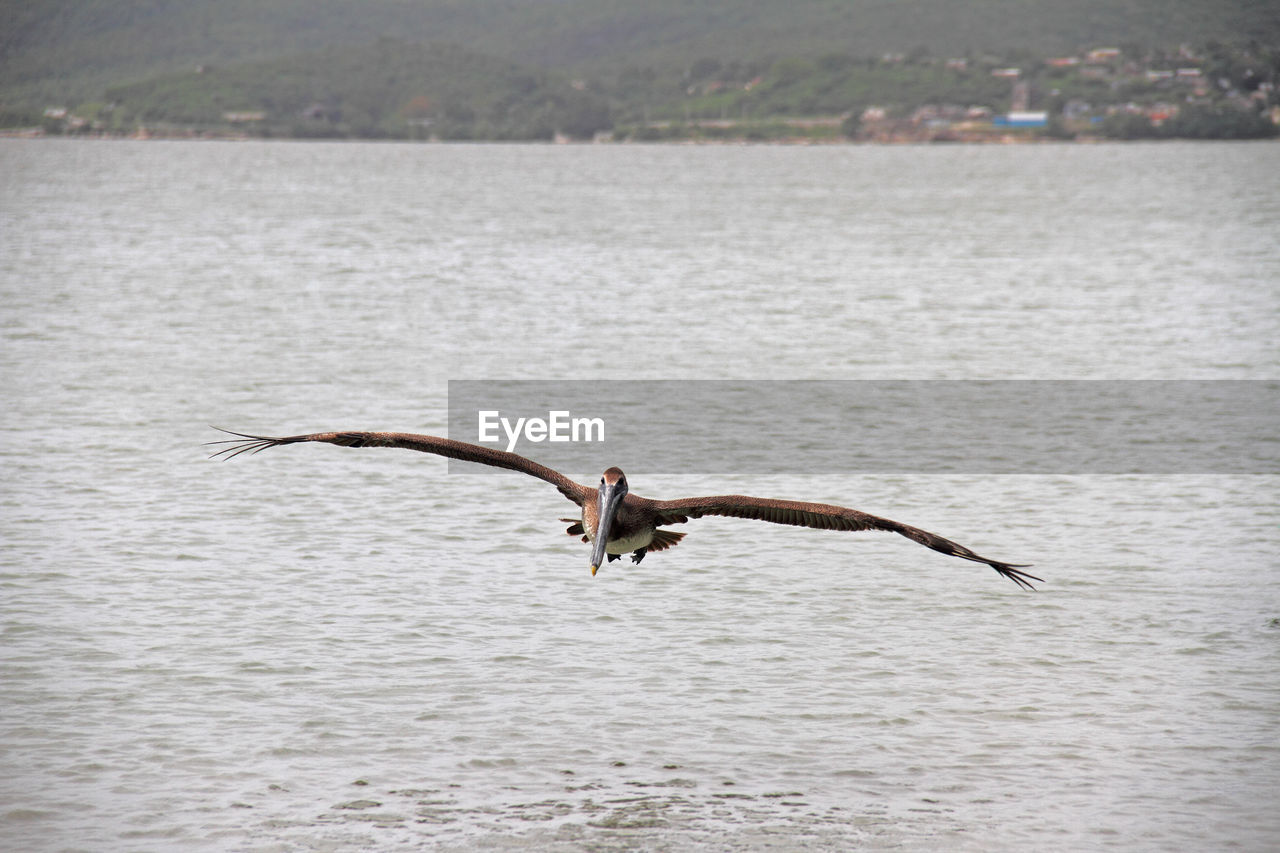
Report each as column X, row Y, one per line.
column 617, row 522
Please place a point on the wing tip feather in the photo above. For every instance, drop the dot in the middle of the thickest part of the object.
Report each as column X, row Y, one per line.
column 1011, row 571
column 242, row 443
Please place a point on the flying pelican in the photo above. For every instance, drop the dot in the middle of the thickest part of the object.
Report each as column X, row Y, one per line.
column 617, row 522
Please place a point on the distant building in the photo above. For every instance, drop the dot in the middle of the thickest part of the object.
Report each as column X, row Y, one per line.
column 1022, row 119
column 1021, row 98
column 1076, row 108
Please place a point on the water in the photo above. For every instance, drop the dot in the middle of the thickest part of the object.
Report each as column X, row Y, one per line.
column 324, row 649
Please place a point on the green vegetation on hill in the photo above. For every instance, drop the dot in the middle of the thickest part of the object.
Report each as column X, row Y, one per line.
column 835, row 84
column 392, row 89
column 388, row 89
column 1213, row 91
column 754, row 69
column 68, row 51
column 1200, row 121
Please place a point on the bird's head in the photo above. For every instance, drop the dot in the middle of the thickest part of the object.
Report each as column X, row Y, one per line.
column 613, row 488
column 614, row 478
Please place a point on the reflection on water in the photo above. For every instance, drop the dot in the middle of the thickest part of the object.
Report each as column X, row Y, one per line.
column 324, row 648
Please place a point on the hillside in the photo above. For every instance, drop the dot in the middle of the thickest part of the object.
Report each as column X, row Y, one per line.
column 67, row 51
column 386, row 89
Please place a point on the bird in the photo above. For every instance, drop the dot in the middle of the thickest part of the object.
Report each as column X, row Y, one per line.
column 617, row 522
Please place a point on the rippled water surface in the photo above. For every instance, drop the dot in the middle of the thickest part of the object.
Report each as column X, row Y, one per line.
column 326, row 649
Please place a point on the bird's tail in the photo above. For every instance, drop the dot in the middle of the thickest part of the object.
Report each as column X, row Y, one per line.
column 576, row 529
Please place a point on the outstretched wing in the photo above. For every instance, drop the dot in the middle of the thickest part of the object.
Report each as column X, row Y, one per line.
column 824, row 517
column 244, row 443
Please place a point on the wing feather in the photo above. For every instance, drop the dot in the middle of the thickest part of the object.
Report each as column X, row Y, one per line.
column 245, row 443
column 824, row 517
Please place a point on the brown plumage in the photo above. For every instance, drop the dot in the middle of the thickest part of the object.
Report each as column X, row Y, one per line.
column 629, row 523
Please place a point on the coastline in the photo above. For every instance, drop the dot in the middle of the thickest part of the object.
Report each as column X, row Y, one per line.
column 792, row 141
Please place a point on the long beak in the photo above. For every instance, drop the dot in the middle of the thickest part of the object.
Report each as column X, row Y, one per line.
column 607, row 503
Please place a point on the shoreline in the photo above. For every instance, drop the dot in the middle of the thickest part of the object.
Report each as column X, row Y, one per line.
column 796, row 141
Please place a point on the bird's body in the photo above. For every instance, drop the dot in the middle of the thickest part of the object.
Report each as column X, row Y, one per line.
column 633, row 527
column 617, row 522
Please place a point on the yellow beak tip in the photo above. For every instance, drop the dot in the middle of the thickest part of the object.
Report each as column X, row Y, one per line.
column 593, row 570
